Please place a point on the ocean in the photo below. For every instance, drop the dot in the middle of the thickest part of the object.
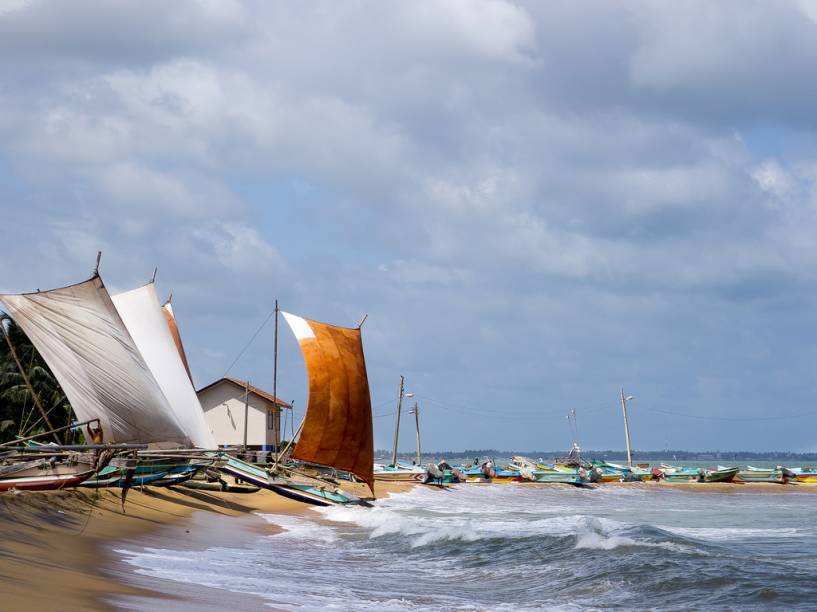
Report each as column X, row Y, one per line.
column 521, row 547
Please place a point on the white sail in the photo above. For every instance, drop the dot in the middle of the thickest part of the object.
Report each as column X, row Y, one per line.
column 82, row 338
column 143, row 317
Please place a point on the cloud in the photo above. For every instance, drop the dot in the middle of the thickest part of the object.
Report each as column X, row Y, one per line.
column 523, row 196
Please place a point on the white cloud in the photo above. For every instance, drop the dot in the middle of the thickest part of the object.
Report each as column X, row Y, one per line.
column 438, row 165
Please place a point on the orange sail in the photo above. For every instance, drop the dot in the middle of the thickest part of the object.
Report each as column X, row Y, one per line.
column 167, row 309
column 337, row 429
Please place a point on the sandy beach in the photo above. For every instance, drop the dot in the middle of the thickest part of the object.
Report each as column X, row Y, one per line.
column 58, row 547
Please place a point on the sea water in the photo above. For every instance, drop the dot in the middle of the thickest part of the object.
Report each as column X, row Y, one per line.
column 523, row 547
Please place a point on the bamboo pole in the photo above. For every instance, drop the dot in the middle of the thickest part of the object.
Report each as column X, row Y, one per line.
column 28, row 384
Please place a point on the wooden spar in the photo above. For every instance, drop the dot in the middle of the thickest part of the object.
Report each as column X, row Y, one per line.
column 53, row 450
column 362, row 321
column 96, row 267
column 397, row 424
column 34, row 395
column 246, row 411
column 289, row 444
column 45, row 433
column 276, row 410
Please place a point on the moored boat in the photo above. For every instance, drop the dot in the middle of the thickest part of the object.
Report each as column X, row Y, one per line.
column 721, row 474
column 672, row 473
column 400, row 473
column 47, row 473
column 805, row 474
column 777, row 474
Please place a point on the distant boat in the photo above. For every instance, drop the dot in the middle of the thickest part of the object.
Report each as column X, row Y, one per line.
column 722, row 474
column 672, row 473
column 400, row 473
column 777, row 474
column 805, row 474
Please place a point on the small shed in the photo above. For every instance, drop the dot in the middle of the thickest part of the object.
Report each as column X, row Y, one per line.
column 223, row 402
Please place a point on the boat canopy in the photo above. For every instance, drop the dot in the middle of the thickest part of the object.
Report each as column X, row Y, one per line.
column 146, row 322
column 337, row 429
column 82, row 337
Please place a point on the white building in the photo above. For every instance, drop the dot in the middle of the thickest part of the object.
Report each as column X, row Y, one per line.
column 223, row 405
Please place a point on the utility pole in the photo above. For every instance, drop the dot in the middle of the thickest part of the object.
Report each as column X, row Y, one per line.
column 246, row 413
column 397, row 425
column 276, row 409
column 416, row 412
column 624, row 401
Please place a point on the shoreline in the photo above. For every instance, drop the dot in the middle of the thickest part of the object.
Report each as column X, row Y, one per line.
column 61, row 545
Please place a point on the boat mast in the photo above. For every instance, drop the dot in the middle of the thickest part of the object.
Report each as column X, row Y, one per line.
column 276, row 416
column 416, row 412
column 624, row 401
column 397, row 425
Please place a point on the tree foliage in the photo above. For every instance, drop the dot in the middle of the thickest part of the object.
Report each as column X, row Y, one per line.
column 19, row 414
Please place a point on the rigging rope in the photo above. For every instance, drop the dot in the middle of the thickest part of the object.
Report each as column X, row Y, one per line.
column 246, row 346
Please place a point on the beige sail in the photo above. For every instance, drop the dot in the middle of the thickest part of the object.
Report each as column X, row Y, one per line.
column 81, row 336
column 167, row 309
column 337, row 429
column 146, row 323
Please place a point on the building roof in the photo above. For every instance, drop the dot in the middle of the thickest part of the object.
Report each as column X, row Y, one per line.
column 242, row 384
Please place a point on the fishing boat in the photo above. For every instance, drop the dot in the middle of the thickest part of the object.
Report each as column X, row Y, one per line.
column 672, row 473
column 532, row 471
column 116, row 361
column 443, row 473
column 478, row 471
column 337, row 430
column 777, row 474
column 47, row 472
column 805, row 474
column 400, row 473
column 317, row 492
column 721, row 474
column 614, row 472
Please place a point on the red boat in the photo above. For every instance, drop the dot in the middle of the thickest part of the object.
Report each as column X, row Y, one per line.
column 45, row 474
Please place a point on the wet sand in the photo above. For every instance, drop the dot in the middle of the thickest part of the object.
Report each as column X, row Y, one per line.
column 57, row 547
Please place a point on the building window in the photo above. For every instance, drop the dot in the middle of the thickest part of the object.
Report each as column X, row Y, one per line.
column 271, row 419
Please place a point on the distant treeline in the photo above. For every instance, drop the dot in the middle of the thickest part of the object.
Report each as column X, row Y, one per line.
column 619, row 455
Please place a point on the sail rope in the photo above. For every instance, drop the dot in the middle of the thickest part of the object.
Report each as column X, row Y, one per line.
column 251, row 340
column 25, row 400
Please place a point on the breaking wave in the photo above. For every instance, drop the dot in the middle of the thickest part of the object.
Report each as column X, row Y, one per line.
column 518, row 548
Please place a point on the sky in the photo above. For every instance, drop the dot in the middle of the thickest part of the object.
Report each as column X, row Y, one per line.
column 535, row 203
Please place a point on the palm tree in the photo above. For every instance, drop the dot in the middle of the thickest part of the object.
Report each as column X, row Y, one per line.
column 18, row 412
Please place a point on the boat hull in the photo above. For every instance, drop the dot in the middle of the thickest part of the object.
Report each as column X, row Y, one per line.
column 727, row 475
column 306, row 493
column 40, row 478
